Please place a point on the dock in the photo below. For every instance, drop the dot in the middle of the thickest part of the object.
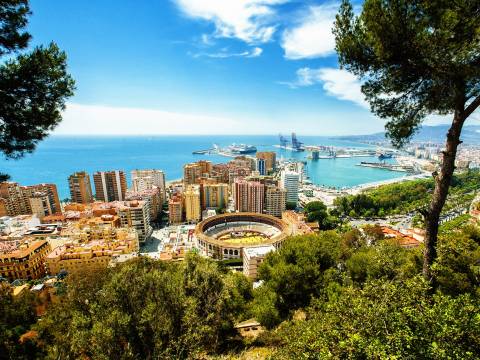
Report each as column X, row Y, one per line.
column 385, row 166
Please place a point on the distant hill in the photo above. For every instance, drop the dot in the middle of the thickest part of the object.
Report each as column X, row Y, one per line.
column 470, row 135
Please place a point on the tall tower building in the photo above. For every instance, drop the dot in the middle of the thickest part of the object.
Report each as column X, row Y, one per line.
column 192, row 174
column 248, row 196
column 261, row 167
column 175, row 209
column 40, row 205
column 290, row 182
column 214, row 196
column 275, row 201
column 270, row 158
column 136, row 214
column 110, row 185
column 193, row 211
column 146, row 179
column 206, row 166
column 13, row 201
column 80, row 188
column 49, row 193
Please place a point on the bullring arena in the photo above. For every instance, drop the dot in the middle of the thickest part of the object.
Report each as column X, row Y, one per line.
column 225, row 236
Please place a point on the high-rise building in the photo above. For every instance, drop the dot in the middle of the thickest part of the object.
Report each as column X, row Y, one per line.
column 194, row 171
column 80, row 188
column 13, row 201
column 261, row 166
column 290, row 182
column 47, row 190
column 206, row 167
column 40, row 205
column 41, row 199
column 152, row 196
column 193, row 211
column 136, row 214
column 146, row 179
column 192, row 174
column 214, row 196
column 175, row 209
column 275, row 201
column 110, row 185
column 248, row 196
column 270, row 158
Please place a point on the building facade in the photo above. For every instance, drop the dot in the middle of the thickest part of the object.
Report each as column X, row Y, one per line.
column 175, row 209
column 136, row 214
column 110, row 185
column 13, row 202
column 270, row 158
column 275, row 201
column 24, row 261
column 146, row 179
column 248, row 196
column 80, row 188
column 290, row 181
column 253, row 257
column 214, row 196
column 96, row 254
column 193, row 210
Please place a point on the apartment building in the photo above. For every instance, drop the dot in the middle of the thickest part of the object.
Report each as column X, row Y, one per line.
column 23, row 259
column 80, row 188
column 110, row 185
column 136, row 214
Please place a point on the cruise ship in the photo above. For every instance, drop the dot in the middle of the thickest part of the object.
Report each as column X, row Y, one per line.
column 242, row 149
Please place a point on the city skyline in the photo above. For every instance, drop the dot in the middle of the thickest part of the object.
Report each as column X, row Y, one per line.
column 200, row 67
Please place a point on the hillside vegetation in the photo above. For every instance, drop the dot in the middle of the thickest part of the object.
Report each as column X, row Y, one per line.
column 404, row 197
column 323, row 296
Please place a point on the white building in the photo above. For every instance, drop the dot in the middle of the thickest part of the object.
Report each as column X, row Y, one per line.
column 253, row 257
column 290, row 181
column 136, row 214
column 146, row 179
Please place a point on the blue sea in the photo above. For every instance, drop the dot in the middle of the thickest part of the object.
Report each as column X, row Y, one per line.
column 59, row 156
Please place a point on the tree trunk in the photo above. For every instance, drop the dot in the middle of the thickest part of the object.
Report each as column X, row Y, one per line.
column 442, row 184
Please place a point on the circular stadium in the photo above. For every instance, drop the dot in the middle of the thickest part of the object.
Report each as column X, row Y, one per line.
column 224, row 236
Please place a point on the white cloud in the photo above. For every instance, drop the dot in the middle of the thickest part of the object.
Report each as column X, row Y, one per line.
column 109, row 120
column 256, row 52
column 223, row 54
column 336, row 82
column 312, row 37
column 248, row 20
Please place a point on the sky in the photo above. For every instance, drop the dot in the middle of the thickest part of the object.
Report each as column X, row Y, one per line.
column 202, row 67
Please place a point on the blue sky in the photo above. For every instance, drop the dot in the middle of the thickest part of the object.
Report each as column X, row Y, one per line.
column 202, row 67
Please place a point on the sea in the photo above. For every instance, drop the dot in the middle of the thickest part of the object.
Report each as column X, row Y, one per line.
column 59, row 156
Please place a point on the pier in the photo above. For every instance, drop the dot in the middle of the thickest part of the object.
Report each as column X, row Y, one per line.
column 391, row 167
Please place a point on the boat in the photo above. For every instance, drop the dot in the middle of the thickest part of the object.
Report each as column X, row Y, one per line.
column 242, row 149
column 384, row 156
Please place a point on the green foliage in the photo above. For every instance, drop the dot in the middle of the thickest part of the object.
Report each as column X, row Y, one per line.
column 400, row 198
column 291, row 205
column 457, row 269
column 316, row 211
column 33, row 86
column 16, row 317
column 147, row 309
column 295, row 273
column 13, row 19
column 386, row 320
column 386, row 261
column 455, row 224
column 416, row 57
